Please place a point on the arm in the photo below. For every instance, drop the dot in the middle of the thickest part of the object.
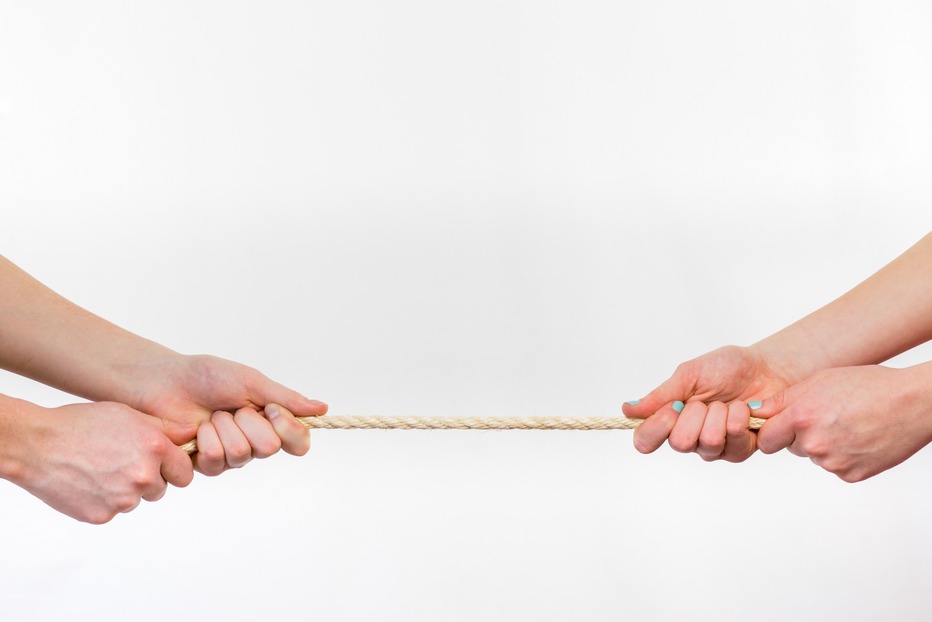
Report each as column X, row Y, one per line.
column 885, row 315
column 47, row 338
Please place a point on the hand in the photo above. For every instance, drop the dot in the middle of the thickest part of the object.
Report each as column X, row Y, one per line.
column 713, row 391
column 854, row 422
column 239, row 413
column 92, row 461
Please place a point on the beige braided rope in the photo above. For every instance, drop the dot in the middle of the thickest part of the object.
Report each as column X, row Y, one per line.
column 347, row 422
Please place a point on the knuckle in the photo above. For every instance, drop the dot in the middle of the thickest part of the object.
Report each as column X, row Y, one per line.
column 736, row 427
column 210, row 469
column 142, row 478
column 99, row 516
column 803, row 419
column 852, row 476
column 681, row 444
column 814, row 448
column 186, row 479
column 839, row 466
column 239, row 451
column 153, row 444
column 268, row 448
column 220, row 415
column 127, row 503
column 736, row 458
column 710, row 443
column 245, row 411
column 212, row 454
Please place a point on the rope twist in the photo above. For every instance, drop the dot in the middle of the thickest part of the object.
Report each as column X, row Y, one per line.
column 348, row 422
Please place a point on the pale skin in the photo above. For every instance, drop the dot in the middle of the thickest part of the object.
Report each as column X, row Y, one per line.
column 92, row 461
column 819, row 381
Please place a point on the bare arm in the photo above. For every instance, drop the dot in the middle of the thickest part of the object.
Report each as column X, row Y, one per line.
column 45, row 337
column 887, row 314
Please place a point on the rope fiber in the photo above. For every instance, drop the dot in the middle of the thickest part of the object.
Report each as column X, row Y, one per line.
column 347, row 422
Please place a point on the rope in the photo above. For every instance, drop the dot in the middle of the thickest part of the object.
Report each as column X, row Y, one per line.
column 345, row 422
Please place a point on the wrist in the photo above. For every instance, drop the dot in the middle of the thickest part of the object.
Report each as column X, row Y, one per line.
column 917, row 393
column 149, row 374
column 18, row 429
column 793, row 360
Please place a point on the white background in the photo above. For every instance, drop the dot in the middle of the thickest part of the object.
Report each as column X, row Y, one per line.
column 501, row 208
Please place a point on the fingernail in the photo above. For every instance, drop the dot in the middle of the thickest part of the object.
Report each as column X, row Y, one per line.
column 755, row 404
column 272, row 411
column 678, row 406
column 317, row 402
column 633, row 402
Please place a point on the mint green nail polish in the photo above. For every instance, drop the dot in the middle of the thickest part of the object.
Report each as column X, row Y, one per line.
column 633, row 402
column 755, row 404
column 678, row 406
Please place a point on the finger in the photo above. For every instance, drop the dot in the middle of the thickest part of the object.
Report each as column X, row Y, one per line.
column 740, row 442
column 258, row 431
column 778, row 432
column 236, row 448
column 156, row 491
column 177, row 468
column 676, row 387
column 685, row 435
column 266, row 391
column 655, row 430
column 209, row 459
column 296, row 439
column 712, row 438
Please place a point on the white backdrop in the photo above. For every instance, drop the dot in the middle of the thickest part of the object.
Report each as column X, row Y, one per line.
column 501, row 207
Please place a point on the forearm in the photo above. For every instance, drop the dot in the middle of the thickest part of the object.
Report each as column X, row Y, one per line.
column 14, row 421
column 45, row 337
column 885, row 315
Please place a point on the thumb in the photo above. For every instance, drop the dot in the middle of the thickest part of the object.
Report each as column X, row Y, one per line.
column 677, row 387
column 270, row 392
column 777, row 432
column 178, row 433
column 773, row 405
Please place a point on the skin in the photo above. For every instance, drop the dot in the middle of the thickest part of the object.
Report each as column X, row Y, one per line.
column 235, row 412
column 824, row 394
column 854, row 422
column 90, row 461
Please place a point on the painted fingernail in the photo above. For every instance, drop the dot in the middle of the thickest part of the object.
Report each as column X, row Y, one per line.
column 755, row 404
column 678, row 406
column 633, row 402
column 272, row 411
